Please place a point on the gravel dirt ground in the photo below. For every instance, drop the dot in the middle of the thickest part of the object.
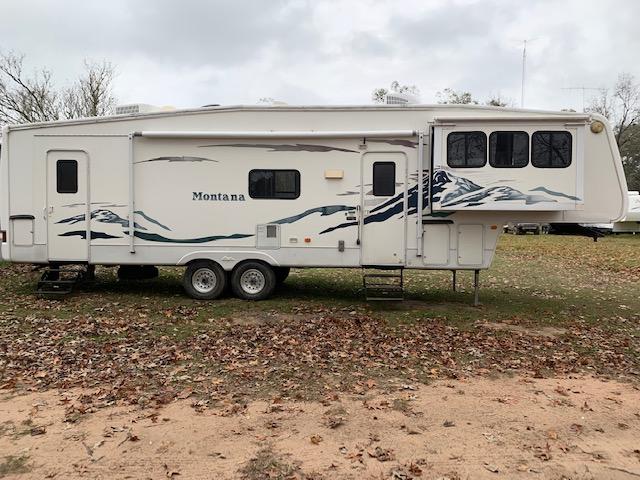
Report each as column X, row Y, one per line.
column 136, row 380
column 508, row 428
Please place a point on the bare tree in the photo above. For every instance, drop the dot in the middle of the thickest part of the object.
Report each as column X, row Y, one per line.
column 24, row 98
column 379, row 94
column 621, row 107
column 91, row 95
column 28, row 98
column 498, row 101
column 450, row 96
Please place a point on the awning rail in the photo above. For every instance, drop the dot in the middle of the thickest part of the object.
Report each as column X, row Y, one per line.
column 266, row 134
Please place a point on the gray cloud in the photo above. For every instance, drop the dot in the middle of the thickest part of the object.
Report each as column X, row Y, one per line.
column 193, row 52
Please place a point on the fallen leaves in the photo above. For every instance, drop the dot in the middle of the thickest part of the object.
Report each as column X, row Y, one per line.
column 130, row 437
column 381, row 454
column 37, row 430
column 185, row 393
column 149, row 352
column 492, row 468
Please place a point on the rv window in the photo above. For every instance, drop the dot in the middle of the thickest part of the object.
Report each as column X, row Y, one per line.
column 67, row 176
column 509, row 149
column 551, row 149
column 283, row 184
column 384, row 179
column 466, row 149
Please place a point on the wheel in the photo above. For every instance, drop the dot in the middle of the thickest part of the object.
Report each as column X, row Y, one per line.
column 204, row 280
column 253, row 281
column 281, row 274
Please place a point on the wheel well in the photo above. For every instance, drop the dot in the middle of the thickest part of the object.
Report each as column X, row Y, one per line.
column 252, row 260
column 206, row 260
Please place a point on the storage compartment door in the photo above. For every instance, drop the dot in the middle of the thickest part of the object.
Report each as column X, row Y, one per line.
column 22, row 231
column 436, row 240
column 470, row 245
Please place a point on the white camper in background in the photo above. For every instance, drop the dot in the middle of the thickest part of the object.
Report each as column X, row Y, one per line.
column 631, row 222
column 240, row 194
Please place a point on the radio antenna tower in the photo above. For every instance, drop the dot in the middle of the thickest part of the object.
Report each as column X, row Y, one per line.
column 524, row 68
column 583, row 89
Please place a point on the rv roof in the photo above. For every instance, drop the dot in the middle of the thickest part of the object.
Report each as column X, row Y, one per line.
column 226, row 108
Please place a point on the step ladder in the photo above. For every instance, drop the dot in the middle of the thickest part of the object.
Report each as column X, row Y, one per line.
column 383, row 285
column 58, row 281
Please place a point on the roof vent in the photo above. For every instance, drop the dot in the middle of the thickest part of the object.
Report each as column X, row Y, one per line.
column 395, row 98
column 137, row 108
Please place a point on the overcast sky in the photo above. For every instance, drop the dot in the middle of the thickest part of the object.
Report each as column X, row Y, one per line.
column 190, row 53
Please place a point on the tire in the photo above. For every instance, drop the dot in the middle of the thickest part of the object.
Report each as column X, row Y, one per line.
column 204, row 280
column 281, row 274
column 253, row 281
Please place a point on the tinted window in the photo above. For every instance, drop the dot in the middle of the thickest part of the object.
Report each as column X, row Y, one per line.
column 466, row 149
column 551, row 149
column 508, row 149
column 283, row 184
column 67, row 176
column 384, row 179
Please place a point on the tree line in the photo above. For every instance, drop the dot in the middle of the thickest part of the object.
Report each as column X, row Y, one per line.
column 28, row 97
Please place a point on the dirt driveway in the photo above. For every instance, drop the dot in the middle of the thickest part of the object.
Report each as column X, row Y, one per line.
column 576, row 428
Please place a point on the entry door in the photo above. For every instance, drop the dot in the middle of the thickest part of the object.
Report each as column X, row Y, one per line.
column 384, row 207
column 67, row 208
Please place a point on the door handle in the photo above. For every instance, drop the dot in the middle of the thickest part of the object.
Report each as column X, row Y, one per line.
column 50, row 209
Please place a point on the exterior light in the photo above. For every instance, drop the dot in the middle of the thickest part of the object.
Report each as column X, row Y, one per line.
column 597, row 126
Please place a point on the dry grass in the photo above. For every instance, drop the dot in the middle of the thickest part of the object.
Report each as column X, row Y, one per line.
column 267, row 465
column 14, row 465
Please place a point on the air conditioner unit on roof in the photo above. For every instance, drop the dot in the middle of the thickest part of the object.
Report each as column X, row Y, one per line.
column 135, row 108
column 395, row 98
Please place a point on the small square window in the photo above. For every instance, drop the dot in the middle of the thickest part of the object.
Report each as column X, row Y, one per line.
column 509, row 149
column 67, row 176
column 466, row 149
column 551, row 149
column 384, row 179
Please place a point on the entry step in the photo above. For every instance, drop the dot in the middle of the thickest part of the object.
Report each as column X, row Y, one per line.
column 58, row 281
column 386, row 285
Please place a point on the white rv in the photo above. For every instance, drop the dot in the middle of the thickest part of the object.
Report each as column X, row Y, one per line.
column 240, row 194
column 631, row 222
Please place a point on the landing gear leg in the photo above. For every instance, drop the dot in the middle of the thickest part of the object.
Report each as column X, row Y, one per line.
column 453, row 279
column 476, row 288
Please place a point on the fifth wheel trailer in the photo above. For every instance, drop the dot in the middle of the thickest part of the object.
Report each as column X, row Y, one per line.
column 239, row 194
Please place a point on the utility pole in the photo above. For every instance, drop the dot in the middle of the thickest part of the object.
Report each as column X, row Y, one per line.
column 584, row 89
